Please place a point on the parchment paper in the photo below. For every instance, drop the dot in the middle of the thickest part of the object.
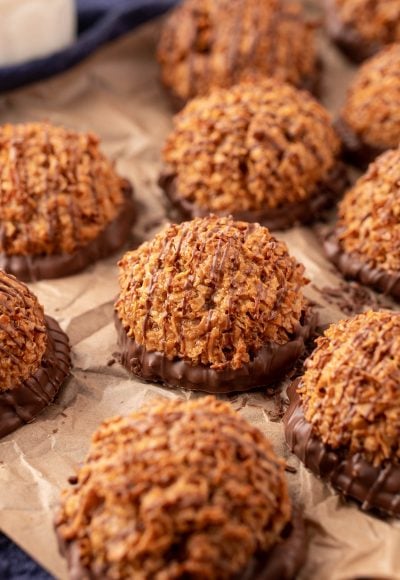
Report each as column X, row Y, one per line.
column 117, row 94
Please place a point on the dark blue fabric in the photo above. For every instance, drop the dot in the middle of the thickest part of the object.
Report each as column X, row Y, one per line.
column 15, row 565
column 99, row 21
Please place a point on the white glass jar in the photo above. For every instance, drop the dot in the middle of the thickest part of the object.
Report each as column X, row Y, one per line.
column 31, row 29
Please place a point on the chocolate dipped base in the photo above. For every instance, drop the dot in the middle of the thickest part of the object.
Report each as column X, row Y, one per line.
column 30, row 268
column 376, row 488
column 280, row 218
column 271, row 363
column 351, row 266
column 282, row 562
column 22, row 404
column 350, row 42
column 285, row 559
column 356, row 151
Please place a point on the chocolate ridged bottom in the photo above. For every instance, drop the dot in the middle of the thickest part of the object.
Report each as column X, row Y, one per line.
column 285, row 559
column 270, row 364
column 22, row 404
column 301, row 212
column 346, row 37
column 356, row 151
column 282, row 562
column 376, row 488
column 30, row 268
column 351, row 266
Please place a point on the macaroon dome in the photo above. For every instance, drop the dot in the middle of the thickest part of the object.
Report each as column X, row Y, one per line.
column 217, row 497
column 361, row 27
column 35, row 356
column 369, row 214
column 350, row 389
column 369, row 122
column 57, row 190
column 62, row 204
column 343, row 420
column 218, row 43
column 211, row 291
column 365, row 241
column 253, row 151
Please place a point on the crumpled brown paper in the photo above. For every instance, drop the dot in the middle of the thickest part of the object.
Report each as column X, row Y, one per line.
column 117, row 95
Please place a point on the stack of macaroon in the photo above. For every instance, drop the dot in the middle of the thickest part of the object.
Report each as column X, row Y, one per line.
column 62, row 206
column 188, row 489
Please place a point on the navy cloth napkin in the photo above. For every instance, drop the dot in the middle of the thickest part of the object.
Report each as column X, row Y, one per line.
column 99, row 21
column 15, row 564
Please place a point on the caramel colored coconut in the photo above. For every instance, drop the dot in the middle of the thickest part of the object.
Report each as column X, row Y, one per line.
column 178, row 489
column 59, row 196
column 34, row 358
column 261, row 152
column 350, row 390
column 344, row 416
column 369, row 122
column 206, row 300
column 217, row 43
column 361, row 27
column 366, row 241
column 23, row 334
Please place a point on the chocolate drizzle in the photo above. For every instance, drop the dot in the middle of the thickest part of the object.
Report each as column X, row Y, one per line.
column 112, row 238
column 282, row 562
column 346, row 37
column 268, row 365
column 355, row 150
column 310, row 209
column 20, row 405
column 352, row 266
column 376, row 488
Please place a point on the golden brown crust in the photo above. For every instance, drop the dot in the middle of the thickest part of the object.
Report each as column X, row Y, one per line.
column 369, row 215
column 218, row 43
column 176, row 489
column 57, row 190
column 250, row 147
column 372, row 109
column 350, row 389
column 373, row 21
column 23, row 336
column 212, row 291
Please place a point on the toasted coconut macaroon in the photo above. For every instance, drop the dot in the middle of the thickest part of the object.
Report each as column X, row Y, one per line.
column 214, row 305
column 180, row 489
column 369, row 122
column 261, row 152
column 218, row 43
column 35, row 356
column 360, row 27
column 344, row 418
column 62, row 205
column 365, row 243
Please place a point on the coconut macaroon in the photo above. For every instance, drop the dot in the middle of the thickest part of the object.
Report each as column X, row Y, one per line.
column 180, row 489
column 35, row 358
column 62, row 205
column 344, row 418
column 361, row 27
column 365, row 243
column 212, row 304
column 369, row 122
column 217, row 43
column 262, row 152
